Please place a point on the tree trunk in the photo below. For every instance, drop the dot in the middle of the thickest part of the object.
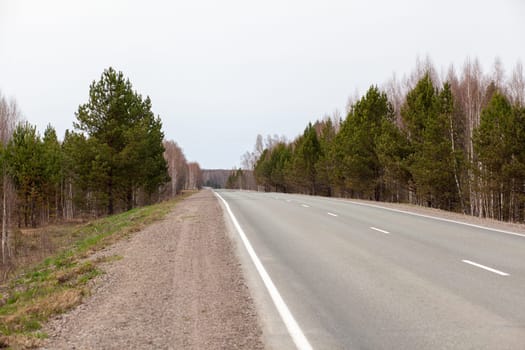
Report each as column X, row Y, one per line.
column 110, row 195
column 129, row 198
column 4, row 221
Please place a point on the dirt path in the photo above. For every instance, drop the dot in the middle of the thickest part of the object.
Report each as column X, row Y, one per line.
column 178, row 286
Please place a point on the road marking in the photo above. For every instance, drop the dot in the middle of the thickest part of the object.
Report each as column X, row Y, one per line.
column 501, row 273
column 331, row 214
column 379, row 230
column 288, row 200
column 305, row 205
column 436, row 218
column 291, row 324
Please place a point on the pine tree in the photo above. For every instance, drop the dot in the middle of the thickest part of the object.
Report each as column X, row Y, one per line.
column 326, row 163
column 126, row 139
column 426, row 117
column 24, row 156
column 305, row 156
column 53, row 175
column 497, row 144
column 356, row 146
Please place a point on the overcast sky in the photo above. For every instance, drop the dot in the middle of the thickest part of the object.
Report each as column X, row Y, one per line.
column 221, row 72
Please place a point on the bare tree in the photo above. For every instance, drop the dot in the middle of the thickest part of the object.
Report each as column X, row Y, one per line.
column 194, row 176
column 9, row 115
column 351, row 101
column 259, row 146
column 337, row 119
column 248, row 160
column 472, row 87
column 177, row 167
column 517, row 85
column 498, row 75
column 396, row 96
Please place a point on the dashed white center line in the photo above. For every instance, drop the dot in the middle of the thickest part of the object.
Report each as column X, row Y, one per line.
column 501, row 273
column 331, row 214
column 379, row 230
column 305, row 205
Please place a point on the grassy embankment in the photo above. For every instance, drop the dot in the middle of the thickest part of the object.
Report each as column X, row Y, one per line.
column 59, row 282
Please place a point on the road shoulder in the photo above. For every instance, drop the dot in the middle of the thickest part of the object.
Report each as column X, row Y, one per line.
column 177, row 285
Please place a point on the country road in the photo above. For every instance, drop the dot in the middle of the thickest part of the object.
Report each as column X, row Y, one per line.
column 356, row 276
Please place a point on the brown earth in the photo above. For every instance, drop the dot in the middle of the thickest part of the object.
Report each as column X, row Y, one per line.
column 178, row 285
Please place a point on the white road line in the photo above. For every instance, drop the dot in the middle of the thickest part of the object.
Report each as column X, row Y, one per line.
column 379, row 230
column 288, row 200
column 293, row 328
column 501, row 273
column 305, row 205
column 436, row 218
column 331, row 214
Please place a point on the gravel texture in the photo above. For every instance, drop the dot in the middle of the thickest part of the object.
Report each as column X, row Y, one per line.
column 178, row 286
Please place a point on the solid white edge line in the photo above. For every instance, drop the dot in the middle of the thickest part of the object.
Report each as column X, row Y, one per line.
column 305, row 206
column 331, row 214
column 293, row 328
column 501, row 273
column 378, row 229
column 440, row 219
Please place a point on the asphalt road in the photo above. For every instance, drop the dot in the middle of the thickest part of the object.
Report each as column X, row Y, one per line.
column 361, row 277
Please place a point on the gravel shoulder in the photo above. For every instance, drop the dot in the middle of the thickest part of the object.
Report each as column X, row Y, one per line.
column 177, row 284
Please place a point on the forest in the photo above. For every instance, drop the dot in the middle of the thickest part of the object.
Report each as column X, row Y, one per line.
column 115, row 159
column 453, row 141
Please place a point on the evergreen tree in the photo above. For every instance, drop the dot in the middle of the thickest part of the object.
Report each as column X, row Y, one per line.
column 53, row 175
column 25, row 163
column 393, row 149
column 326, row 163
column 426, row 117
column 304, row 159
column 262, row 170
column 499, row 142
column 356, row 145
column 273, row 168
column 126, row 139
column 280, row 162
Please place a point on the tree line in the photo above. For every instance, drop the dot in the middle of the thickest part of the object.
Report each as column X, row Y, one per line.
column 455, row 143
column 115, row 159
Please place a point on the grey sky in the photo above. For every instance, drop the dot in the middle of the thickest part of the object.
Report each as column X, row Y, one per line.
column 220, row 72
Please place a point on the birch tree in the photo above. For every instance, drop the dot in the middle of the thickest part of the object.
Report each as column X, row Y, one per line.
column 177, row 167
column 9, row 116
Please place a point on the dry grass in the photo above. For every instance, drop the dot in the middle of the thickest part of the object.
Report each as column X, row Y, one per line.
column 59, row 280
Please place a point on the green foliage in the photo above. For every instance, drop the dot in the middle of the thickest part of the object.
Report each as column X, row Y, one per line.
column 234, row 181
column 123, row 138
column 25, row 163
column 306, row 153
column 393, row 150
column 326, row 165
column 420, row 155
column 500, row 143
column 59, row 282
column 273, row 167
column 495, row 137
column 426, row 115
column 115, row 156
column 356, row 145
